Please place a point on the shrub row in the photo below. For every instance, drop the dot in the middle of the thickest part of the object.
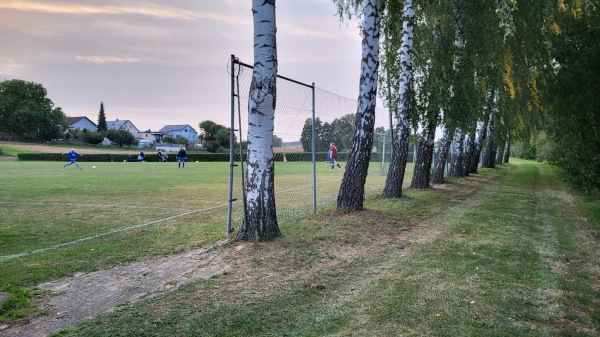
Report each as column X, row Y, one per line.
column 200, row 157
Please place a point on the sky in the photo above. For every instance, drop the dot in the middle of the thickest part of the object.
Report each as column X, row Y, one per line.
column 159, row 62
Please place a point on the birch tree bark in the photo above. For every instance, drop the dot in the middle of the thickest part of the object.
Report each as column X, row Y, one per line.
column 469, row 153
column 481, row 132
column 352, row 190
column 489, row 155
column 395, row 177
column 441, row 157
column 507, row 149
column 260, row 221
column 457, row 154
column 422, row 171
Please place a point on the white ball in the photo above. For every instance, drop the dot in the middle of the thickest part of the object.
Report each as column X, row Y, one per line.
column 93, row 166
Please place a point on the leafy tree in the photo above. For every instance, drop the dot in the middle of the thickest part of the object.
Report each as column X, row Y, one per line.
column 25, row 111
column 93, row 137
column 277, row 142
column 121, row 137
column 574, row 114
column 223, row 137
column 209, row 130
column 102, row 119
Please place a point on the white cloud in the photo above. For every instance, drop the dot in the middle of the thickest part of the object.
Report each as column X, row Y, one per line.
column 9, row 67
column 110, row 59
column 147, row 9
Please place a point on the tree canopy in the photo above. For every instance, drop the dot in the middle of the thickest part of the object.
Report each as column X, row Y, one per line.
column 25, row 111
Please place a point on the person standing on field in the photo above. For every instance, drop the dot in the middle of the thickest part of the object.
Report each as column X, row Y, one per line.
column 332, row 154
column 181, row 156
column 73, row 158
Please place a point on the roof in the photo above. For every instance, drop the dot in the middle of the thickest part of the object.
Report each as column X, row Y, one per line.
column 116, row 124
column 73, row 120
column 177, row 127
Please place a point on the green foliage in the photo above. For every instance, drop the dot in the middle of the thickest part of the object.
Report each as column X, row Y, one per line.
column 121, row 137
column 93, row 138
column 340, row 132
column 277, row 142
column 574, row 112
column 102, row 119
column 16, row 306
column 26, row 111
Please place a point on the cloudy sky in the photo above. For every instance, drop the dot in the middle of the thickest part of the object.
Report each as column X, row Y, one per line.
column 158, row 62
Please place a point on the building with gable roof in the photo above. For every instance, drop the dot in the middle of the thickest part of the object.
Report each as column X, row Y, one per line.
column 183, row 130
column 124, row 124
column 81, row 123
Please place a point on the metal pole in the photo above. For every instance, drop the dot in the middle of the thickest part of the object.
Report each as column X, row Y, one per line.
column 231, row 146
column 314, row 161
column 383, row 152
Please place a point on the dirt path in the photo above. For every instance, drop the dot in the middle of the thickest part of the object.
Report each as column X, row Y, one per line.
column 85, row 295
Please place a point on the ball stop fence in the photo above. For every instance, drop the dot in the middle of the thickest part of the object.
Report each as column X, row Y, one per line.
column 307, row 120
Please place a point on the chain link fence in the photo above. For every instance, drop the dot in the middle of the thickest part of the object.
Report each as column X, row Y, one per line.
column 304, row 181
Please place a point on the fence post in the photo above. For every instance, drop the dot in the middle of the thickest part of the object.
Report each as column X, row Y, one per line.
column 231, row 146
column 314, row 155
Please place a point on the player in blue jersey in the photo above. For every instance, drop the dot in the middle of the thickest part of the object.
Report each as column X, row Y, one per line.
column 181, row 156
column 73, row 157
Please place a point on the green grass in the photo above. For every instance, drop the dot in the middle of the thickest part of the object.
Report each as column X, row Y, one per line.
column 507, row 252
column 9, row 151
column 56, row 221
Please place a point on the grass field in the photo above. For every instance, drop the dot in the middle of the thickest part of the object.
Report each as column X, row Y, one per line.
column 511, row 251
column 56, row 220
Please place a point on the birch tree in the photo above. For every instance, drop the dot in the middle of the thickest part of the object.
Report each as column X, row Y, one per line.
column 352, row 190
column 260, row 220
column 395, row 177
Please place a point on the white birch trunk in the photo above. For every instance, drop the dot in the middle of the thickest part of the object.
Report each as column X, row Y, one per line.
column 395, row 177
column 260, row 216
column 352, row 189
column 456, row 168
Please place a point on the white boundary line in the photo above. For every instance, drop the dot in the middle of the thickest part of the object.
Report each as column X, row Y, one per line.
column 89, row 205
column 70, row 243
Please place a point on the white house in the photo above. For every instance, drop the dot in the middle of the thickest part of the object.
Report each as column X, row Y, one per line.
column 183, row 131
column 81, row 123
column 126, row 125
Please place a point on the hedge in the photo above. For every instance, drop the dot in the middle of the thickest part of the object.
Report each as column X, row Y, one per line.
column 191, row 157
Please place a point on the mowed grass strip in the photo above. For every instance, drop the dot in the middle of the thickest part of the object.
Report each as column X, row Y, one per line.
column 56, row 221
column 507, row 252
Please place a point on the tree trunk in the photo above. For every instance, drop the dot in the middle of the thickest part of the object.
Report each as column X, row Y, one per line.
column 479, row 141
column 507, row 149
column 499, row 155
column 352, row 190
column 422, row 171
column 456, row 170
column 469, row 154
column 260, row 221
column 395, row 177
column 441, row 158
column 489, row 155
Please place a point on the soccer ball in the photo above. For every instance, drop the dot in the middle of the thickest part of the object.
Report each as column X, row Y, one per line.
column 94, row 166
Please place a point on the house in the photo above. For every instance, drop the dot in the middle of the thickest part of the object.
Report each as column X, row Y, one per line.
column 126, row 125
column 183, row 131
column 81, row 123
column 149, row 138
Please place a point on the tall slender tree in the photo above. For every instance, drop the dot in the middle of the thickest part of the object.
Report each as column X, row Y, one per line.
column 352, row 190
column 260, row 221
column 102, row 119
column 395, row 176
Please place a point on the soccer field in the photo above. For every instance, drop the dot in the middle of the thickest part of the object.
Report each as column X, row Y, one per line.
column 55, row 221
